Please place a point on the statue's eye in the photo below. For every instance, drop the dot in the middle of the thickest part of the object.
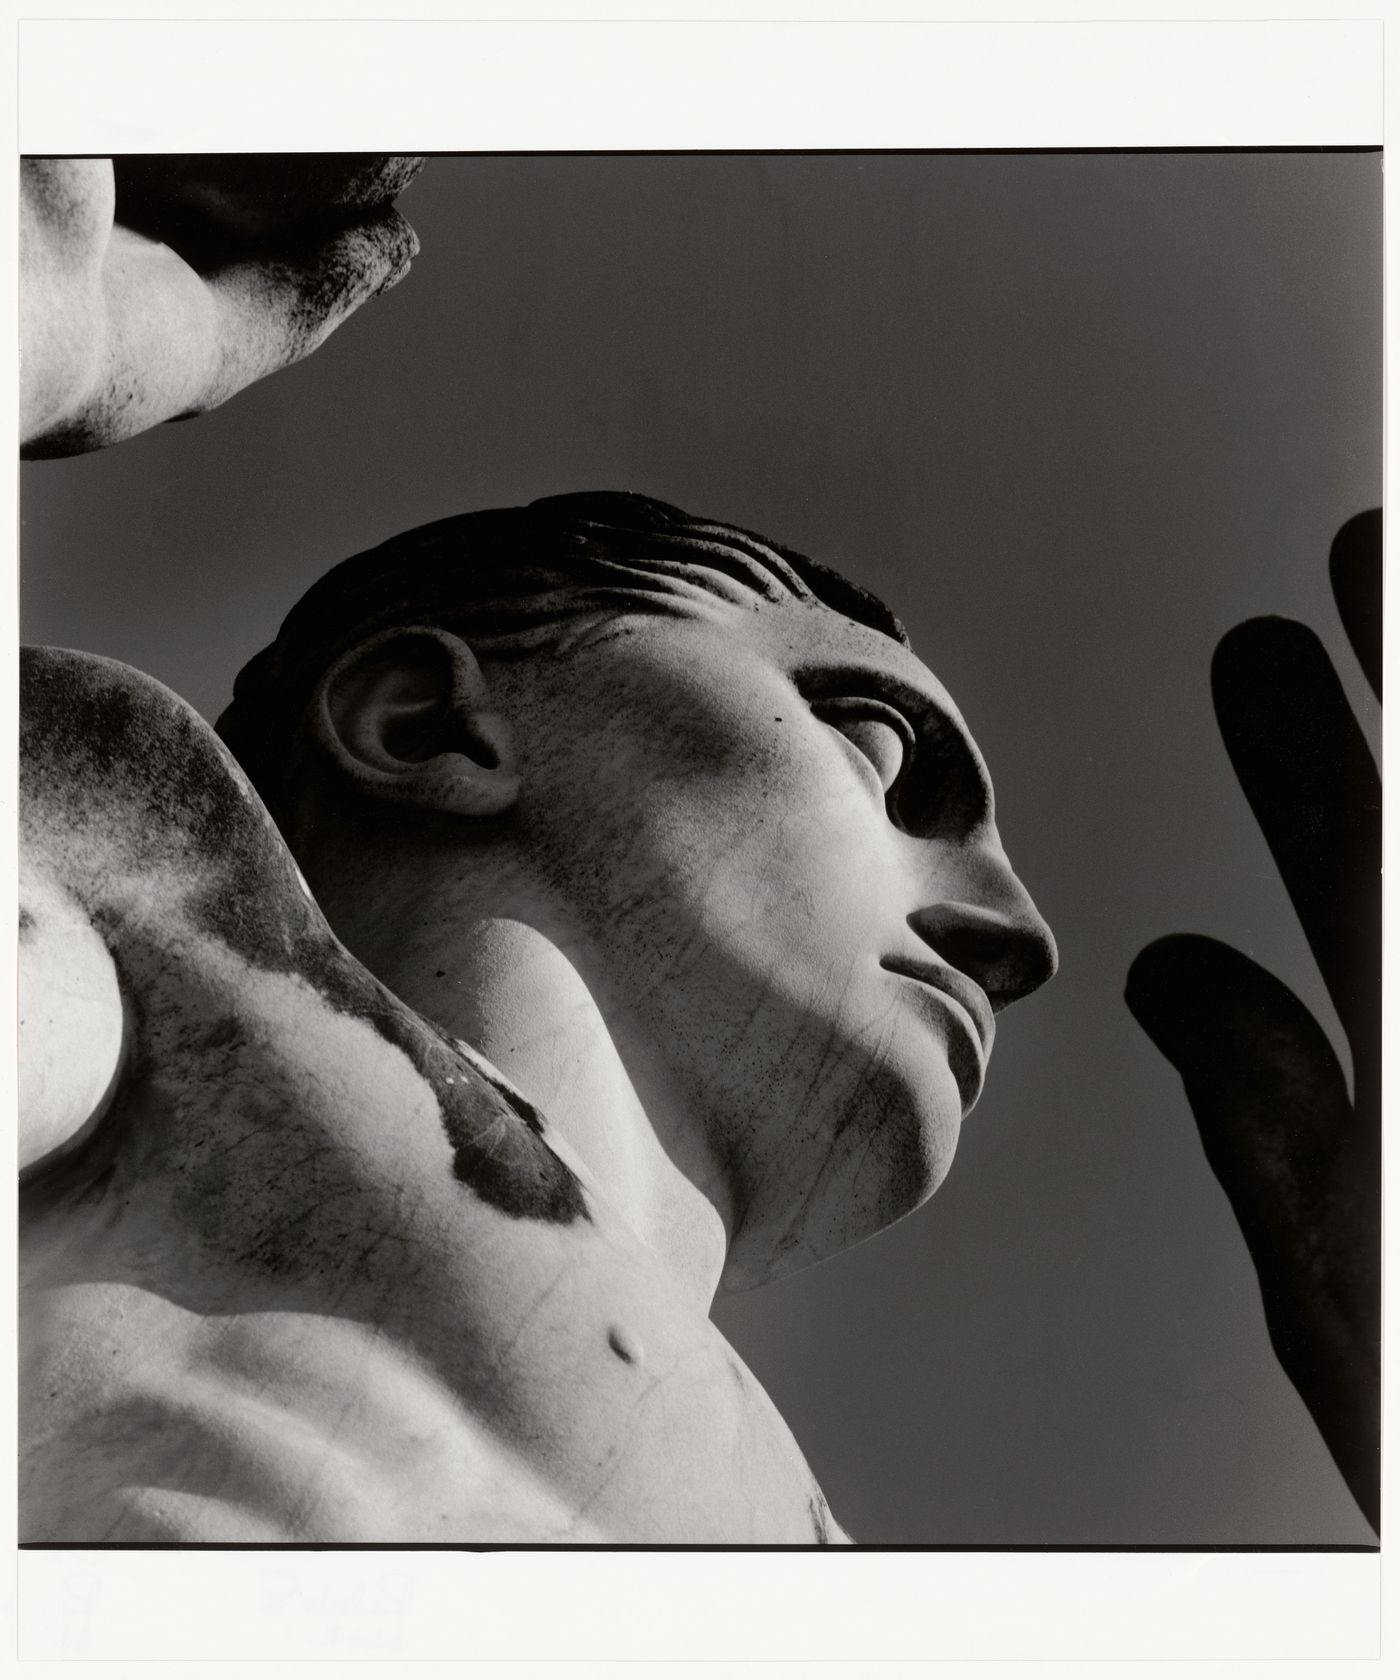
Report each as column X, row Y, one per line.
column 876, row 730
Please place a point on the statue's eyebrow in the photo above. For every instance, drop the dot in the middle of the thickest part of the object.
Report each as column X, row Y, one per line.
column 946, row 791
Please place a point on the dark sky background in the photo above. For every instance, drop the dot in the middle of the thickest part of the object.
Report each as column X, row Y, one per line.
column 1073, row 416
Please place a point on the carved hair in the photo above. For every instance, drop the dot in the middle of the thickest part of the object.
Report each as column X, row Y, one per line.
column 512, row 580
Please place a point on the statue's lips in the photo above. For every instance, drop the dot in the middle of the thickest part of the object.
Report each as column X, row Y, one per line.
column 970, row 1009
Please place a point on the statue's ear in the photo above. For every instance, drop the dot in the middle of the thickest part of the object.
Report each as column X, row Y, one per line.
column 406, row 717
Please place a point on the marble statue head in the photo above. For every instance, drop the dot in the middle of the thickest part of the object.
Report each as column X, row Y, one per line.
column 754, row 820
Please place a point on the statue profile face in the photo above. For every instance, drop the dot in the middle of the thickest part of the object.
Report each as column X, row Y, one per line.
column 768, row 845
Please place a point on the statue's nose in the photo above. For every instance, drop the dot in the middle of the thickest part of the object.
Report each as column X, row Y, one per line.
column 996, row 937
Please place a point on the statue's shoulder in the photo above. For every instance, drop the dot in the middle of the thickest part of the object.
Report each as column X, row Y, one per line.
column 154, row 869
column 127, row 797
column 121, row 778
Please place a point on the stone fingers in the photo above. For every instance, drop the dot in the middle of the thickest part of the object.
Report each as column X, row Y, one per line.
column 1312, row 784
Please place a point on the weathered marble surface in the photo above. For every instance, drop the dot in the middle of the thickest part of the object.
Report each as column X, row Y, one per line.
column 315, row 1273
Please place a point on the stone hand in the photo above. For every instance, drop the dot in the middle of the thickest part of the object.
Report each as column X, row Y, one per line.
column 1298, row 1157
column 156, row 288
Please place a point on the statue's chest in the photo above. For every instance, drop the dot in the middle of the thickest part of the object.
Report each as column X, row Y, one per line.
column 146, row 1420
column 274, row 1301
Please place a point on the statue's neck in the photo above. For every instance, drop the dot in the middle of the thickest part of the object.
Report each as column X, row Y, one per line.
column 514, row 996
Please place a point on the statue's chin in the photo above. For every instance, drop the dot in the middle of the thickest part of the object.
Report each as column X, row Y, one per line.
column 868, row 1184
